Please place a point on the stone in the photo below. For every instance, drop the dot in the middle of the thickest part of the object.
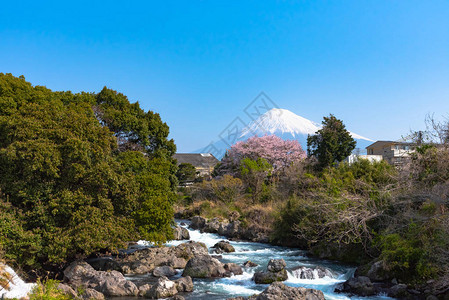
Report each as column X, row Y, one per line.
column 280, row 291
column 275, row 272
column 184, row 284
column 143, row 289
column 180, row 233
column 224, row 246
column 270, row 277
column 398, row 291
column 276, row 265
column 144, row 261
column 177, row 297
column 67, row 289
column 233, row 229
column 233, row 268
column 116, row 285
column 89, row 294
column 197, row 222
column 360, row 285
column 223, row 229
column 212, row 226
column 81, row 274
column 166, row 271
column 204, row 267
column 249, row 264
column 163, row 288
column 377, row 272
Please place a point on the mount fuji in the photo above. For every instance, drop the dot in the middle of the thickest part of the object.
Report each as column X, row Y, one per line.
column 280, row 122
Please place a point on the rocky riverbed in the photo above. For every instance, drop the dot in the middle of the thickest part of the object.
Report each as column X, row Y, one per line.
column 208, row 266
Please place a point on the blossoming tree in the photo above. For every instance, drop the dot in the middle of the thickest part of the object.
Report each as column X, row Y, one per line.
column 277, row 152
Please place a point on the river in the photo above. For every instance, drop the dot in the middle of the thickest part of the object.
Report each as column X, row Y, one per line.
column 242, row 285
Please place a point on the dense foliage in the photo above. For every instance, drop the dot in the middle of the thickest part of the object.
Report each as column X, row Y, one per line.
column 79, row 173
column 332, row 143
column 186, row 172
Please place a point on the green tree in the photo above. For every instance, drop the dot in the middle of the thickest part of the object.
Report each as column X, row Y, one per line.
column 69, row 185
column 186, row 172
column 332, row 143
column 254, row 174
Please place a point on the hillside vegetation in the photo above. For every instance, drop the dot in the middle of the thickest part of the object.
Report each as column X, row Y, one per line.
column 363, row 213
column 79, row 173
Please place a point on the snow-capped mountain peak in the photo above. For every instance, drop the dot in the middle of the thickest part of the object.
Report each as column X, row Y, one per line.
column 280, row 121
column 284, row 122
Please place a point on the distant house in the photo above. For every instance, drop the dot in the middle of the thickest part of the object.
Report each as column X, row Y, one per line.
column 204, row 163
column 395, row 153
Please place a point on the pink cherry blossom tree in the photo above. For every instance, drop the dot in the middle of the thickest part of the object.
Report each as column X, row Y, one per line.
column 277, row 152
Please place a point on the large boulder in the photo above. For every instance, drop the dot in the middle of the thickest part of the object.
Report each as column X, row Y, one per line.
column 249, row 264
column 360, row 285
column 144, row 261
column 276, row 265
column 280, row 291
column 233, row 229
column 81, row 274
column 197, row 222
column 270, row 277
column 68, row 290
column 181, row 233
column 190, row 249
column 89, row 294
column 233, row 268
column 184, row 284
column 144, row 289
column 275, row 272
column 163, row 288
column 204, row 266
column 377, row 272
column 223, row 246
column 166, row 271
column 398, row 291
column 212, row 226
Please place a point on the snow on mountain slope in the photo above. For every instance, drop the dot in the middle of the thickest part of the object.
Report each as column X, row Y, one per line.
column 281, row 122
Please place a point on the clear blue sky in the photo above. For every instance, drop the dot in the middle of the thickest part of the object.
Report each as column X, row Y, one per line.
column 381, row 66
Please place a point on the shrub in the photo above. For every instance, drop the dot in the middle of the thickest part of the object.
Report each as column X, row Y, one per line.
column 48, row 290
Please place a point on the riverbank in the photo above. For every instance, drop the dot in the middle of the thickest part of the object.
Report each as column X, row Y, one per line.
column 370, row 279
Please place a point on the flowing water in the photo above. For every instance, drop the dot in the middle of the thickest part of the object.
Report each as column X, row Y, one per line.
column 242, row 285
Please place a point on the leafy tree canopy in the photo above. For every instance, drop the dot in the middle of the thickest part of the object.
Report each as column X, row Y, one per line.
column 79, row 173
column 186, row 172
column 332, row 143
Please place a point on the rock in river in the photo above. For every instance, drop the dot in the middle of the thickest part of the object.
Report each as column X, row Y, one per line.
column 81, row 274
column 275, row 272
column 163, row 271
column 204, row 266
column 181, row 233
column 223, row 246
column 280, row 291
column 163, row 288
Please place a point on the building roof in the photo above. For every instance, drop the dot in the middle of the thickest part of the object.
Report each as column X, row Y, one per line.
column 384, row 143
column 198, row 160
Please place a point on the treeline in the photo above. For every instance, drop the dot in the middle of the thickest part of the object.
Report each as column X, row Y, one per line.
column 79, row 173
column 363, row 213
